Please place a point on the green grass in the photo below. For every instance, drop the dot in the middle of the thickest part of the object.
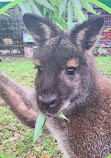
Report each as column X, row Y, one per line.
column 16, row 139
column 20, row 70
column 104, row 65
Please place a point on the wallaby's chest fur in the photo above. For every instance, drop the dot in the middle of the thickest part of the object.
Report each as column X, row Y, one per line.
column 88, row 133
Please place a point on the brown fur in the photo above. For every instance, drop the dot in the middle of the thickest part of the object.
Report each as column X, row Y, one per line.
column 72, row 63
column 37, row 63
column 79, row 90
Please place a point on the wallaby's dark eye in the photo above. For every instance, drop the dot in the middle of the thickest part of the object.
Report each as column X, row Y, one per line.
column 71, row 70
column 39, row 68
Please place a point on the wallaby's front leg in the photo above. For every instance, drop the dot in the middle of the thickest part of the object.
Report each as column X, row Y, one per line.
column 21, row 101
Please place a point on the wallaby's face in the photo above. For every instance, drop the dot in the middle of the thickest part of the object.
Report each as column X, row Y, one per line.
column 64, row 74
column 58, row 77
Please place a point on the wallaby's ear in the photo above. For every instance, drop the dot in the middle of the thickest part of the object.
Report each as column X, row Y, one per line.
column 40, row 29
column 85, row 35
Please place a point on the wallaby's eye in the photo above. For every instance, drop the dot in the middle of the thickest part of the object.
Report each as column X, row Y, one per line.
column 71, row 70
column 38, row 68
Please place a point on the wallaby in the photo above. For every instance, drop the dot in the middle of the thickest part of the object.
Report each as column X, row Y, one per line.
column 68, row 82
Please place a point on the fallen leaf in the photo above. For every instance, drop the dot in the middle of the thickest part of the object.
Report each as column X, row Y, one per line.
column 39, row 140
column 2, row 147
column 45, row 156
column 15, row 137
column 31, row 156
column 38, row 148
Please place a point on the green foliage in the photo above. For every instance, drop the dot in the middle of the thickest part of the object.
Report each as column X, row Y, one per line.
column 104, row 65
column 10, row 5
column 106, row 2
column 79, row 12
column 70, row 15
column 85, row 4
column 45, row 4
column 101, row 5
column 63, row 116
column 2, row 155
column 21, row 70
column 62, row 7
column 39, row 126
column 60, row 12
column 109, row 156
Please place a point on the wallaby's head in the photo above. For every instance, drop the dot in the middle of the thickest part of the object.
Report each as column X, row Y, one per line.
column 65, row 73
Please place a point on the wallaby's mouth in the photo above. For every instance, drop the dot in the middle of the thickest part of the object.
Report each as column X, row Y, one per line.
column 53, row 108
column 50, row 110
column 48, row 104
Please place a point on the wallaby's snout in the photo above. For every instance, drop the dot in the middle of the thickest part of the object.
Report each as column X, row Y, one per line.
column 48, row 103
column 48, row 100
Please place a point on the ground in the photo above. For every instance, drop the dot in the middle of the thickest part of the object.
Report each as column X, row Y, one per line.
column 16, row 139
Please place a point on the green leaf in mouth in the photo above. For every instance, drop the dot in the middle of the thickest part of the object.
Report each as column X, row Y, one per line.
column 63, row 116
column 40, row 124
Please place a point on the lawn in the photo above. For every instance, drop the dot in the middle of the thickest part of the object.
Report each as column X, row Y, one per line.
column 104, row 65
column 16, row 139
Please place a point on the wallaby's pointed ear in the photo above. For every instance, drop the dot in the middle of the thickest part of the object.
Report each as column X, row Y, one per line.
column 40, row 29
column 85, row 35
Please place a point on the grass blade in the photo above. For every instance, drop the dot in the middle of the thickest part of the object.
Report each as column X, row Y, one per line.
column 109, row 156
column 40, row 123
column 2, row 155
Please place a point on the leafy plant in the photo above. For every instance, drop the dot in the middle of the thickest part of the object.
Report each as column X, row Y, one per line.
column 9, row 5
column 60, row 12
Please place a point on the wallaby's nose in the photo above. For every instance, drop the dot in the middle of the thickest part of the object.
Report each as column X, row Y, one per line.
column 48, row 100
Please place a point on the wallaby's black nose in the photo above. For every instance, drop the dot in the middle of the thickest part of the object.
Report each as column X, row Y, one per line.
column 48, row 100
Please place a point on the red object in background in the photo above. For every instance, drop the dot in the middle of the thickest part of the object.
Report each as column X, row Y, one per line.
column 109, row 38
column 106, row 34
